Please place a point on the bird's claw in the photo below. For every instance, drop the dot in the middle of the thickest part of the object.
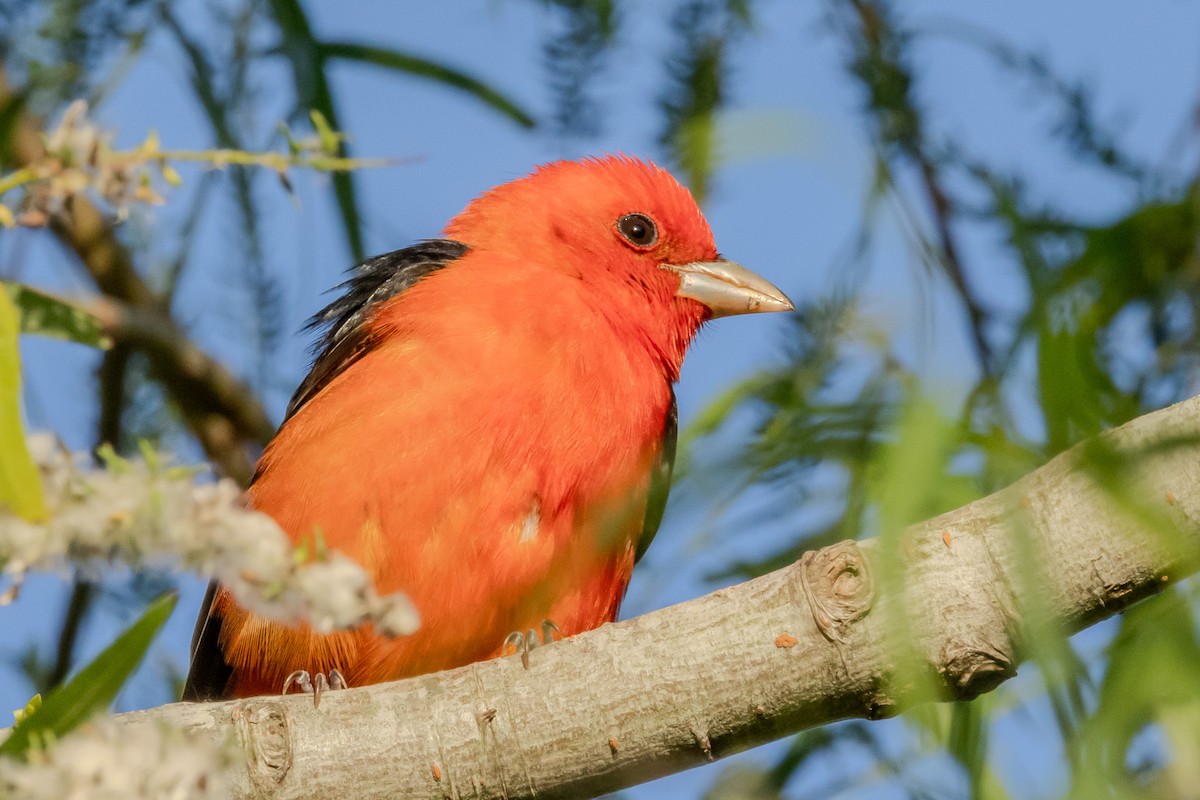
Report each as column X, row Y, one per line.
column 550, row 631
column 524, row 641
column 315, row 685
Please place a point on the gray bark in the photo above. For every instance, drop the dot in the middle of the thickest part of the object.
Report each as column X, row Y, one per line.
column 942, row 610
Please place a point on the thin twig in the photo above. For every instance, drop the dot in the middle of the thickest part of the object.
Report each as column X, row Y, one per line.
column 83, row 591
column 222, row 410
column 225, row 418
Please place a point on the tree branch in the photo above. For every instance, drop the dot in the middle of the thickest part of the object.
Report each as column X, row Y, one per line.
column 882, row 65
column 221, row 412
column 942, row 610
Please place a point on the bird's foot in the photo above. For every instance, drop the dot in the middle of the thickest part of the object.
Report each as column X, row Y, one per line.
column 524, row 641
column 315, row 685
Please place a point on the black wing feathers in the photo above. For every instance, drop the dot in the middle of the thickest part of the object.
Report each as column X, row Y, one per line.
column 660, row 481
column 345, row 341
column 377, row 279
column 209, row 673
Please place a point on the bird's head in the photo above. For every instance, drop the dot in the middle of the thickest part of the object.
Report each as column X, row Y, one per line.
column 629, row 230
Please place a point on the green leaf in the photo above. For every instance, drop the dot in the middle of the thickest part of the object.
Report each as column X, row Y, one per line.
column 47, row 315
column 10, row 113
column 431, row 70
column 911, row 478
column 112, row 460
column 94, row 688
column 20, row 484
column 1151, row 680
column 21, row 714
column 330, row 139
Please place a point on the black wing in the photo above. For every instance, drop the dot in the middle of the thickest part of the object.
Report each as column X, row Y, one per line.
column 345, row 341
column 209, row 673
column 346, row 338
column 660, row 481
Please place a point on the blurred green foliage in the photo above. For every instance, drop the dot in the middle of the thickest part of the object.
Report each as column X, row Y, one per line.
column 1106, row 330
column 90, row 691
column 20, row 484
column 843, row 403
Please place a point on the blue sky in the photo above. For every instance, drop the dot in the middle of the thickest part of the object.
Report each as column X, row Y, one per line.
column 786, row 203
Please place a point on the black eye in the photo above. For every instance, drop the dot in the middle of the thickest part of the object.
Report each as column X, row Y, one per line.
column 638, row 229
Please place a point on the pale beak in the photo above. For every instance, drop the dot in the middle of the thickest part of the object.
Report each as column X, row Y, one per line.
column 728, row 288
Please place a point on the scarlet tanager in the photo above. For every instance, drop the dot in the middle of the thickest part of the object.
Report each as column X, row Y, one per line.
column 489, row 424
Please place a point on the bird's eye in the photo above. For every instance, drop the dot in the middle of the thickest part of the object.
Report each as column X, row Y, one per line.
column 638, row 229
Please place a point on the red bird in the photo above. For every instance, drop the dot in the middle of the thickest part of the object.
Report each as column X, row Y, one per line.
column 489, row 426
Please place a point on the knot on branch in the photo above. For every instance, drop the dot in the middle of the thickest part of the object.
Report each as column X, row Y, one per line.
column 265, row 730
column 837, row 582
column 974, row 668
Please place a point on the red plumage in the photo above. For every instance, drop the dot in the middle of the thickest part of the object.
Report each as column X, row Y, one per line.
column 484, row 436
